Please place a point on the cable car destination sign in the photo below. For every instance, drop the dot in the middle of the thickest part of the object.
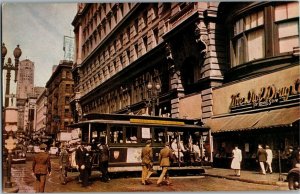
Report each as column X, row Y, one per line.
column 266, row 96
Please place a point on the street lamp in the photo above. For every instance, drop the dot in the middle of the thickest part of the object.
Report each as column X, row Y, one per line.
column 10, row 67
column 10, row 143
column 153, row 93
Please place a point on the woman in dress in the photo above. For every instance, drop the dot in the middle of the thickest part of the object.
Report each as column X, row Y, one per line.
column 236, row 161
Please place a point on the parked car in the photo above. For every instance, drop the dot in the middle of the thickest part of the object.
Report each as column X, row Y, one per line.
column 293, row 178
column 18, row 156
column 53, row 150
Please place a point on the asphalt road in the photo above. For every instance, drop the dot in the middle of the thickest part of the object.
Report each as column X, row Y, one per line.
column 23, row 176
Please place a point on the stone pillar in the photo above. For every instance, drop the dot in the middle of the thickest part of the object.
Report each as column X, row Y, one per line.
column 175, row 81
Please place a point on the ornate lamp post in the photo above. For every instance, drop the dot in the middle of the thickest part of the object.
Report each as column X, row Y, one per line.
column 153, row 95
column 10, row 143
column 10, row 67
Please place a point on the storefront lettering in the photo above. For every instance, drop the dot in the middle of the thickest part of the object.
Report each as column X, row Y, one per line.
column 266, row 96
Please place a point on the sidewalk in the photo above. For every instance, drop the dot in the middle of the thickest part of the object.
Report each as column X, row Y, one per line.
column 14, row 189
column 248, row 176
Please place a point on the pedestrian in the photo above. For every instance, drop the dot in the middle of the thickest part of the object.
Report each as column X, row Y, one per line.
column 295, row 157
column 236, row 161
column 147, row 163
column 262, row 158
column 165, row 156
column 64, row 164
column 103, row 160
column 82, row 157
column 269, row 159
column 41, row 166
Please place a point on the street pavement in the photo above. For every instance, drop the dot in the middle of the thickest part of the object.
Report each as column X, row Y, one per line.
column 25, row 178
column 249, row 176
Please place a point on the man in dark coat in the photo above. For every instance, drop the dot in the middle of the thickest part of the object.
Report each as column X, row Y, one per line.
column 262, row 158
column 41, row 166
column 164, row 160
column 103, row 160
column 147, row 163
column 82, row 161
column 64, row 164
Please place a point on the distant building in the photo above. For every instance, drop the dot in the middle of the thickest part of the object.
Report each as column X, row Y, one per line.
column 59, row 89
column 25, row 86
column 41, row 112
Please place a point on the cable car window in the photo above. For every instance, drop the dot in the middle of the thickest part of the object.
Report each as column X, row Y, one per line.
column 159, row 135
column 116, row 134
column 131, row 135
column 146, row 134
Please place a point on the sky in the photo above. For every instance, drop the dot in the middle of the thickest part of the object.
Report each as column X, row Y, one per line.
column 39, row 29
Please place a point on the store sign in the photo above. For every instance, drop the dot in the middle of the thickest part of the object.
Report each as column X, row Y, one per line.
column 266, row 96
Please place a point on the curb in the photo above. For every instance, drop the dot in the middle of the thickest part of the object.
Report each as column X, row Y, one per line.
column 276, row 183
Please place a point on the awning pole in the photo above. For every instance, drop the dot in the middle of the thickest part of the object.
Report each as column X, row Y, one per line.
column 89, row 139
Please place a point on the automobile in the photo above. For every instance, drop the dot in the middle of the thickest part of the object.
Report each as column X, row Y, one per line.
column 293, row 178
column 18, row 157
column 53, row 150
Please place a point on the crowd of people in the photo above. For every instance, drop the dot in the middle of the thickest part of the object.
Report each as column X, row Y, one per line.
column 264, row 157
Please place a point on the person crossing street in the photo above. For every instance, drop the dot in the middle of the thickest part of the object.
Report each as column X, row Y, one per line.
column 165, row 156
column 147, row 163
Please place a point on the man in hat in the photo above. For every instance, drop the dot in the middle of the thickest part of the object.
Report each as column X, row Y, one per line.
column 63, row 164
column 164, row 160
column 103, row 160
column 147, row 163
column 82, row 157
column 41, row 166
column 262, row 158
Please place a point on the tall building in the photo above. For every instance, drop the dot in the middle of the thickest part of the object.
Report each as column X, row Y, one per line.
column 59, row 89
column 215, row 61
column 41, row 112
column 25, row 86
column 25, row 82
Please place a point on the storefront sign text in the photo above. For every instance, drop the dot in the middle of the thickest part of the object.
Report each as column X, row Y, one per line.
column 266, row 96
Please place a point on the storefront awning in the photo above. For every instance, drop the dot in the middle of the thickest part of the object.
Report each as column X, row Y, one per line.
column 265, row 119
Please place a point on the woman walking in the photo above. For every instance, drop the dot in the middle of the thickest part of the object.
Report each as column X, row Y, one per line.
column 236, row 161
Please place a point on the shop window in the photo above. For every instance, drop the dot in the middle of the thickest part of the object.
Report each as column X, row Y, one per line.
column 131, row 135
column 288, row 26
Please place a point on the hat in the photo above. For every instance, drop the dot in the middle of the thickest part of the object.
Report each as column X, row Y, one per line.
column 148, row 141
column 267, row 146
column 43, row 146
column 167, row 144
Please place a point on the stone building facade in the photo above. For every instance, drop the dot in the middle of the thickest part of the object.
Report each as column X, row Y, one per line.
column 208, row 58
column 121, row 47
column 59, row 89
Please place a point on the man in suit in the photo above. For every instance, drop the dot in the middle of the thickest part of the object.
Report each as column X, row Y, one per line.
column 164, row 160
column 103, row 160
column 82, row 157
column 262, row 158
column 41, row 166
column 147, row 163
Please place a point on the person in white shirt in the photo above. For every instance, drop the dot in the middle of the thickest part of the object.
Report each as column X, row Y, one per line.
column 196, row 151
column 177, row 151
column 269, row 159
column 236, row 161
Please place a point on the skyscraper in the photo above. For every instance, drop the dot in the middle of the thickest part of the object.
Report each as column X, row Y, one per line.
column 24, row 87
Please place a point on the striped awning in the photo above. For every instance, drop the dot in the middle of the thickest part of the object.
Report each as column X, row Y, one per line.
column 258, row 120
